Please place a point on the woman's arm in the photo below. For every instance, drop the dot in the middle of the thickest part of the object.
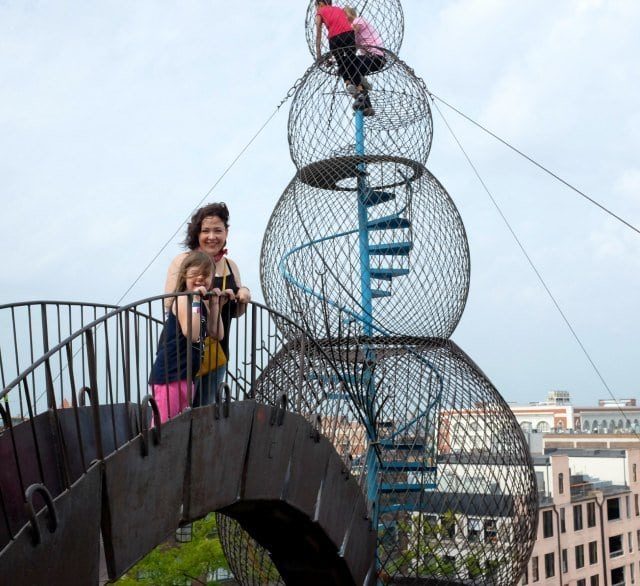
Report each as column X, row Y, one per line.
column 243, row 295
column 172, row 278
column 190, row 313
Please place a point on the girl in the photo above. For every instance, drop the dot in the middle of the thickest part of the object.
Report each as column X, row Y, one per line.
column 171, row 383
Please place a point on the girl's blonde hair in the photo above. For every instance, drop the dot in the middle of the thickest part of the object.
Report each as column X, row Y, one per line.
column 350, row 11
column 197, row 259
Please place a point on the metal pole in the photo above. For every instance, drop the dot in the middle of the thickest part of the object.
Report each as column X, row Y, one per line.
column 367, row 316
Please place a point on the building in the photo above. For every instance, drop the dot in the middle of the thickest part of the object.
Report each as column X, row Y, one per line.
column 557, row 414
column 589, row 527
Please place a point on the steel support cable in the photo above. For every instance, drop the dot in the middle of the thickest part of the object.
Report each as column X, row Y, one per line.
column 289, row 94
column 533, row 161
column 206, row 195
column 531, row 264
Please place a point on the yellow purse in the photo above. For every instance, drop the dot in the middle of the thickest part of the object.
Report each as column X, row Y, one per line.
column 213, row 355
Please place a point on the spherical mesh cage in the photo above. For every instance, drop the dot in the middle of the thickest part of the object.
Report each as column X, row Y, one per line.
column 322, row 121
column 456, row 492
column 385, row 16
column 248, row 560
column 311, row 262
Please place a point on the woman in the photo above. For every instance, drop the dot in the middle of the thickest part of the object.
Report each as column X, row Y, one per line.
column 207, row 232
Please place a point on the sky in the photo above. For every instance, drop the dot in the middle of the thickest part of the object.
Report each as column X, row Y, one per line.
column 117, row 119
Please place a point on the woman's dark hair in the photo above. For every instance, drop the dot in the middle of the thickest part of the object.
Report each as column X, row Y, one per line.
column 220, row 210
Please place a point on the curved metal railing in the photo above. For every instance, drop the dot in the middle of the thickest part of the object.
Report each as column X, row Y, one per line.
column 50, row 434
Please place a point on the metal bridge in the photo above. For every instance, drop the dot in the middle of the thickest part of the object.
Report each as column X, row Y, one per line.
column 80, row 464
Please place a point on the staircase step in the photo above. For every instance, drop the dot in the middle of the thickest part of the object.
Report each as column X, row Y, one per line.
column 389, row 223
column 372, row 198
column 407, row 467
column 388, row 274
column 395, row 248
column 393, row 445
column 408, row 507
column 395, row 487
column 378, row 293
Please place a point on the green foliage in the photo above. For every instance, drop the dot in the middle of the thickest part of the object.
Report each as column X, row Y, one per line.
column 177, row 564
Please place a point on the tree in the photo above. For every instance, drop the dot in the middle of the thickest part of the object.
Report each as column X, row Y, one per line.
column 178, row 564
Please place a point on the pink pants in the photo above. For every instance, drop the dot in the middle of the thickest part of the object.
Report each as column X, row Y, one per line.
column 172, row 398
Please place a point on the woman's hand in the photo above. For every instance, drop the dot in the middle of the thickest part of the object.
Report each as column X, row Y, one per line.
column 243, row 295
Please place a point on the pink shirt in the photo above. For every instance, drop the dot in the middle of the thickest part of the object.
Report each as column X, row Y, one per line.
column 367, row 36
column 335, row 19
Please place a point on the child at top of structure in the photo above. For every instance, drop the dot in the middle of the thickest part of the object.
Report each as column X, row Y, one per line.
column 169, row 374
column 368, row 40
column 342, row 42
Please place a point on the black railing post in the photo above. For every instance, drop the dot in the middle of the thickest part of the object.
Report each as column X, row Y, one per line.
column 93, row 382
column 254, row 349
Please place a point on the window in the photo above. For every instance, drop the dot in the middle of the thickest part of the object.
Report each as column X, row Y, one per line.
column 565, row 561
column 615, row 546
column 613, row 509
column 547, row 524
column 561, row 482
column 595, row 580
column 629, row 542
column 582, row 582
column 635, row 472
column 635, row 501
column 593, row 552
column 534, row 569
column 627, row 506
column 591, row 514
column 525, row 576
column 549, row 565
column 474, row 530
column 579, row 556
column 490, row 531
column 563, row 523
column 577, row 517
column 632, row 573
column 617, row 576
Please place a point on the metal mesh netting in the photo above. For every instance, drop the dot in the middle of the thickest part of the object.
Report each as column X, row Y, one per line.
column 310, row 261
column 321, row 115
column 367, row 251
column 384, row 15
column 248, row 560
column 457, row 493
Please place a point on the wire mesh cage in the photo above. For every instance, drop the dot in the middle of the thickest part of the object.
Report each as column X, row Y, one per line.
column 455, row 489
column 248, row 560
column 420, row 267
column 384, row 16
column 321, row 120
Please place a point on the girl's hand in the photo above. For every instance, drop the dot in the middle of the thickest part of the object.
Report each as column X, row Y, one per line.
column 200, row 292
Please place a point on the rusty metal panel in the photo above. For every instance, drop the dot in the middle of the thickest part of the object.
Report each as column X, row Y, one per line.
column 143, row 494
column 340, row 493
column 70, row 554
column 270, row 453
column 310, row 460
column 80, row 436
column 217, row 456
column 359, row 546
column 38, row 461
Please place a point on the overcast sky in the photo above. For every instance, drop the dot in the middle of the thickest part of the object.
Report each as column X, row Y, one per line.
column 116, row 119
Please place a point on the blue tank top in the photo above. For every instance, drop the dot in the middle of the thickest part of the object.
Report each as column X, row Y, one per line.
column 170, row 364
